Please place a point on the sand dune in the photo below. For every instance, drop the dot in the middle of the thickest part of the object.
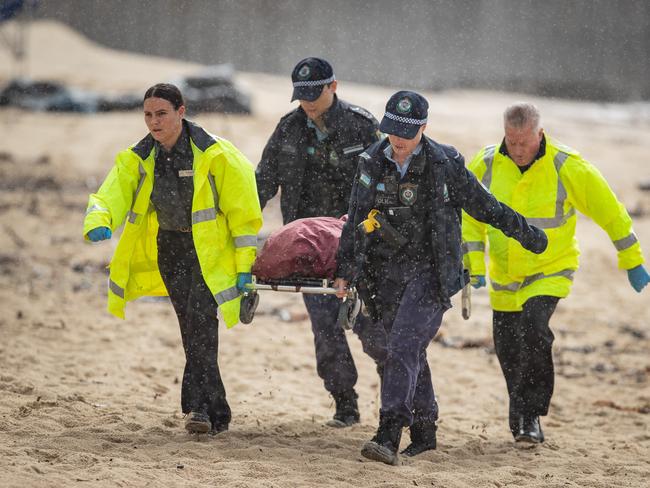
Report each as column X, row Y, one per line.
column 89, row 400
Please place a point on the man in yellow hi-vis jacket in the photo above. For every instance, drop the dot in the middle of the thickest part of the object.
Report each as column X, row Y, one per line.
column 188, row 201
column 546, row 182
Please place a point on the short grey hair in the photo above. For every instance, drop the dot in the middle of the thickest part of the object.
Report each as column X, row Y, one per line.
column 522, row 114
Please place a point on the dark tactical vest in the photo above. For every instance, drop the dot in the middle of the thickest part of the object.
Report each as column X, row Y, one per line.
column 406, row 204
column 315, row 177
column 325, row 189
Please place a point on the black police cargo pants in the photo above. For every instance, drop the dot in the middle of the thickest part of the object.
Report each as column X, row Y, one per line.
column 334, row 362
column 409, row 320
column 523, row 342
column 196, row 310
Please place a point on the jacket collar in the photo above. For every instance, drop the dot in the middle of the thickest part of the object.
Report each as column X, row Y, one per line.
column 331, row 116
column 197, row 134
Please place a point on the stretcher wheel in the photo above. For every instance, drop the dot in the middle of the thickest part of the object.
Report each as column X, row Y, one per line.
column 348, row 311
column 249, row 302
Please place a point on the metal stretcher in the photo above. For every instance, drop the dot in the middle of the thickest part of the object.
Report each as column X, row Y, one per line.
column 348, row 309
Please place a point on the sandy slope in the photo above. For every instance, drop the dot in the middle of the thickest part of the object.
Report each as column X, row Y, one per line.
column 89, row 400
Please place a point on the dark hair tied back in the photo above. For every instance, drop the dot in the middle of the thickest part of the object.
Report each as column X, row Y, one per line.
column 168, row 92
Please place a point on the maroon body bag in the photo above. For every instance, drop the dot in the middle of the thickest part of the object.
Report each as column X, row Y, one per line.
column 303, row 248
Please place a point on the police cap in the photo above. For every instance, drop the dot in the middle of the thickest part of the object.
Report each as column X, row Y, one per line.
column 309, row 77
column 406, row 112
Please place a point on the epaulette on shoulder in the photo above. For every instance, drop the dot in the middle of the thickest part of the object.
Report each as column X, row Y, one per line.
column 451, row 151
column 355, row 109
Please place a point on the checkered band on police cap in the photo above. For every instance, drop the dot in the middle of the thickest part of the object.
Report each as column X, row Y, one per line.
column 405, row 120
column 314, row 82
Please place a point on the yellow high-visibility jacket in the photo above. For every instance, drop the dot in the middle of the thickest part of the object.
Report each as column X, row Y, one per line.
column 226, row 217
column 547, row 194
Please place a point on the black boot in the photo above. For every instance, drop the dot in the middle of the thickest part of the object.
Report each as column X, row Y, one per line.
column 513, row 423
column 423, row 437
column 197, row 422
column 347, row 410
column 384, row 445
column 218, row 428
column 530, row 430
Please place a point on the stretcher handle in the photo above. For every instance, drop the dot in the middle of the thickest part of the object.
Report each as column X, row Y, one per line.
column 466, row 301
column 313, row 290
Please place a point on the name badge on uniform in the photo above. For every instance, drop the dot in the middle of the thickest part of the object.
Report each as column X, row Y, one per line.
column 408, row 193
column 184, row 173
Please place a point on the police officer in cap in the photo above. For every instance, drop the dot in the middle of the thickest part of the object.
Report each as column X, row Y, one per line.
column 401, row 247
column 312, row 157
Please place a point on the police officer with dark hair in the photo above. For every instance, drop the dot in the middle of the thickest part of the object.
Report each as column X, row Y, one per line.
column 401, row 246
column 186, row 200
column 312, row 157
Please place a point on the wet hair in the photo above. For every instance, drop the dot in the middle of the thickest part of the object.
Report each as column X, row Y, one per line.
column 168, row 92
column 522, row 114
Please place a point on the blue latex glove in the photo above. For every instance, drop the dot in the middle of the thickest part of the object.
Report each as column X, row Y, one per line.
column 100, row 234
column 477, row 281
column 639, row 277
column 242, row 280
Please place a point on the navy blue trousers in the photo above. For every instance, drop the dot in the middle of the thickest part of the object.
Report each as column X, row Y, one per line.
column 334, row 362
column 409, row 318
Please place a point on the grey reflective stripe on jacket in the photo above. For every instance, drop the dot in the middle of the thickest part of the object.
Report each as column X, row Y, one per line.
column 626, row 242
column 214, row 193
column 116, row 289
column 246, row 241
column 96, row 208
column 473, row 246
column 208, row 213
column 488, row 159
column 133, row 216
column 226, row 295
column 529, row 280
column 203, row 215
column 560, row 217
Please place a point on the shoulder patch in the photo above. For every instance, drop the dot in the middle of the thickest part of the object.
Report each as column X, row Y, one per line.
column 365, row 179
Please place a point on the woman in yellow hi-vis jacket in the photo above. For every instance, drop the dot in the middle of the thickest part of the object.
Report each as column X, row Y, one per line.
column 546, row 182
column 188, row 201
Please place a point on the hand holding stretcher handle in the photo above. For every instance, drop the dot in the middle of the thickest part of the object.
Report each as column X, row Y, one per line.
column 341, row 286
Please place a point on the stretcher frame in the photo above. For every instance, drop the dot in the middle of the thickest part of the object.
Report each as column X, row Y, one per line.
column 348, row 309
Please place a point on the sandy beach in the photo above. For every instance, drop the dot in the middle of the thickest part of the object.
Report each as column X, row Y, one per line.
column 87, row 399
